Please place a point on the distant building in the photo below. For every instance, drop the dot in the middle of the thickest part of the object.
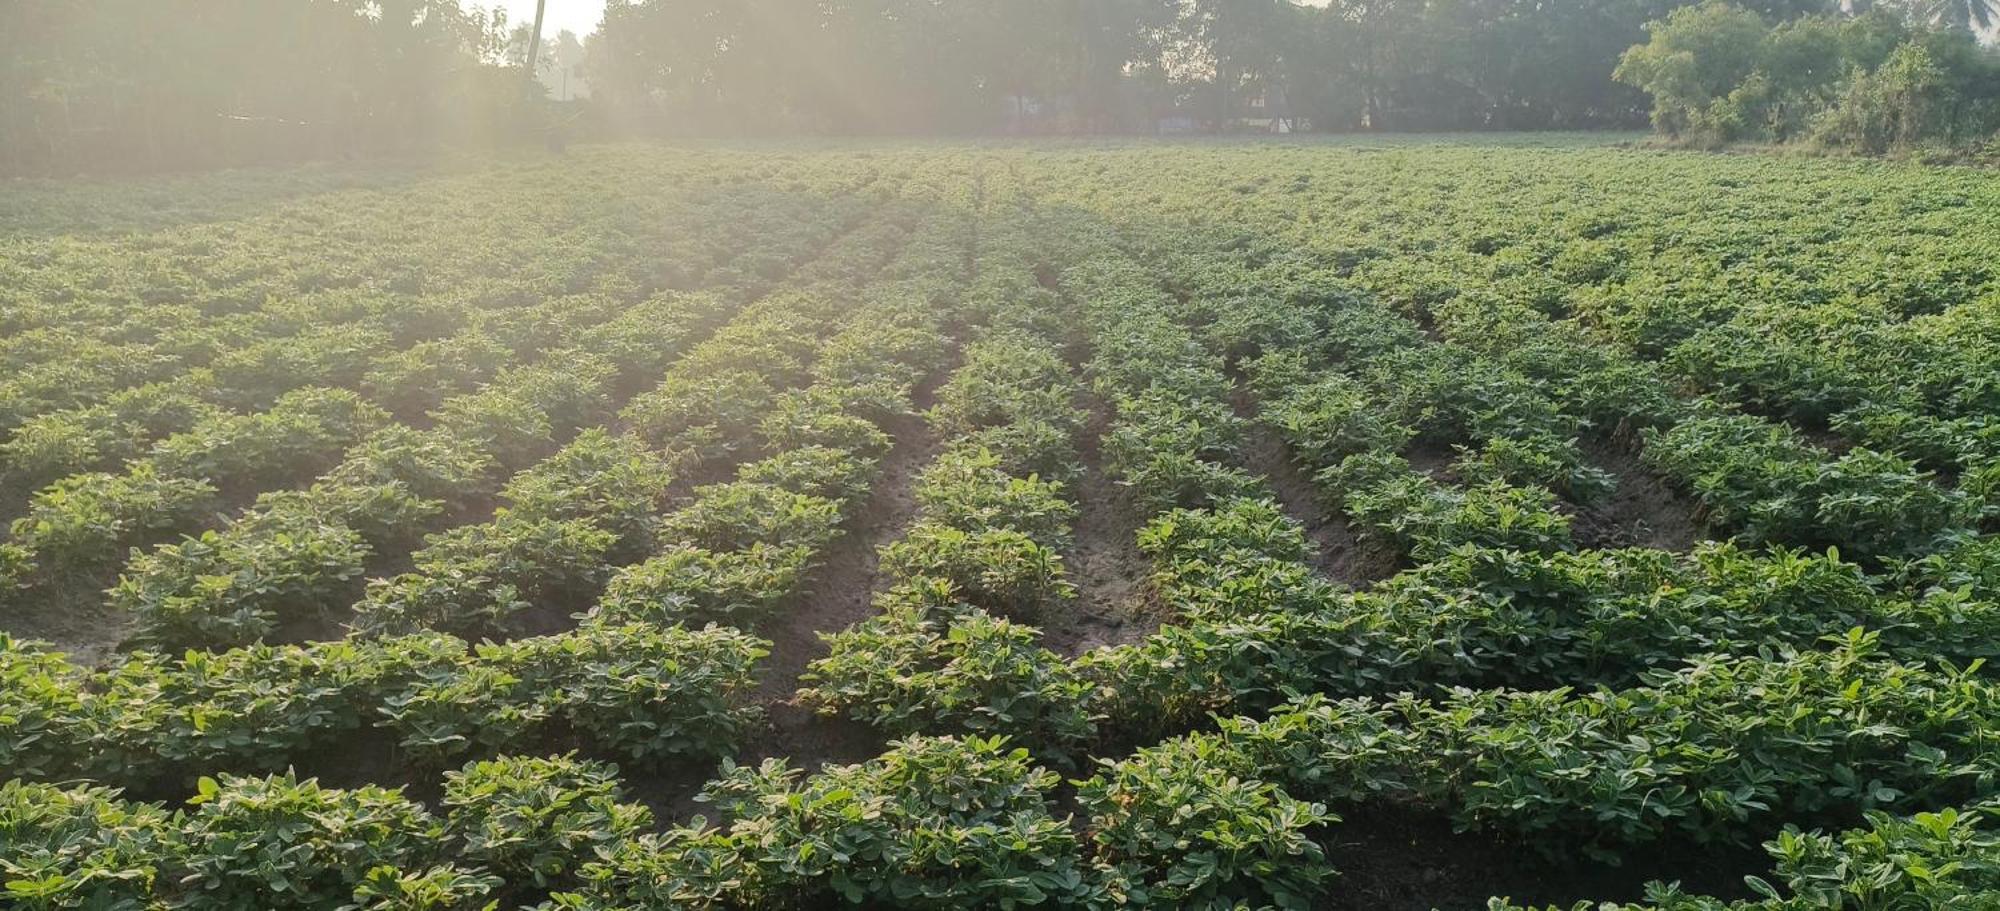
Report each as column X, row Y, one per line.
column 1038, row 113
column 1268, row 110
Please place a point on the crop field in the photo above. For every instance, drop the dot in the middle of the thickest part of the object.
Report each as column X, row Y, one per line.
column 1371, row 524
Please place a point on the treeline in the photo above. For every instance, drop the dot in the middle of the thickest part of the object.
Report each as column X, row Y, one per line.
column 101, row 84
column 1116, row 65
column 781, row 66
column 111, row 84
column 1871, row 83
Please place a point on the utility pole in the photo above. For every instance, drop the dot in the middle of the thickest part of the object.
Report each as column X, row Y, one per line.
column 535, row 43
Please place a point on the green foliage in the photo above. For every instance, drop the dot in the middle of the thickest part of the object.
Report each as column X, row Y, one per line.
column 1766, row 483
column 742, row 514
column 240, row 585
column 479, row 578
column 418, row 379
column 1169, row 452
column 1868, row 84
column 1332, row 418
column 1002, row 570
column 932, row 823
column 84, row 521
column 1943, row 859
column 929, row 664
column 1427, row 518
column 704, row 414
column 693, row 585
column 970, row 491
column 1007, row 380
column 537, row 819
column 526, row 412
column 303, row 433
column 252, row 839
column 820, row 416
column 444, row 888
column 1182, row 826
column 41, row 698
column 81, row 848
column 1464, row 363
column 815, row 471
column 613, row 482
column 645, row 692
column 100, row 436
column 1698, row 754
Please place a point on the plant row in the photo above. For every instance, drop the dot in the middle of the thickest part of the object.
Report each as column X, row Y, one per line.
column 949, row 822
column 568, row 517
column 645, row 692
column 952, row 648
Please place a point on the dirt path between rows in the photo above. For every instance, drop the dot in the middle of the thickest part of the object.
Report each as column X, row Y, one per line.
column 1115, row 602
column 1642, row 511
column 1338, row 550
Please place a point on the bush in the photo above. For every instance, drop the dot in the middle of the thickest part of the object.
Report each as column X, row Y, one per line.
column 931, row 823
column 1184, row 826
column 84, row 521
column 538, row 819
column 526, row 412
column 1870, row 83
column 250, row 839
column 17, row 564
column 691, row 585
column 485, row 578
column 820, row 416
column 653, row 694
column 969, row 491
column 709, row 415
column 1762, row 481
column 1428, row 519
column 741, row 514
column 432, row 465
column 613, row 482
column 420, row 378
column 926, row 664
column 81, row 847
column 243, row 584
column 257, row 707
column 41, row 698
column 1332, row 418
column 815, row 471
column 1007, row 379
column 1029, row 447
column 304, row 433
column 1001, row 570
column 101, row 436
column 1703, row 754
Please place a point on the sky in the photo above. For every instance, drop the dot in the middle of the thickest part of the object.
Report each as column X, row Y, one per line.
column 579, row 16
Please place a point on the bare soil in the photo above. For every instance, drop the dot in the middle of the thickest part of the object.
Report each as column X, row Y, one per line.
column 1394, row 858
column 1642, row 511
column 1115, row 602
column 73, row 616
column 1339, row 551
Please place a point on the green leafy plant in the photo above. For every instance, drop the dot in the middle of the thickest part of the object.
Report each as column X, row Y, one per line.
column 538, row 819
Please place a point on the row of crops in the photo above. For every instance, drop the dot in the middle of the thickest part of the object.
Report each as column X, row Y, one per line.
column 481, row 539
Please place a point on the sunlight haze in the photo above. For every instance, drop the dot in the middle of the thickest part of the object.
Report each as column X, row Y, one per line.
column 1095, row 455
column 579, row 16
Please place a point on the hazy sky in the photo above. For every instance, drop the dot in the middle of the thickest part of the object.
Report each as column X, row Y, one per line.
column 579, row 16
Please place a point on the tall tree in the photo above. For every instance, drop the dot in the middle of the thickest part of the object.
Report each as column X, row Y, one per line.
column 1966, row 15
